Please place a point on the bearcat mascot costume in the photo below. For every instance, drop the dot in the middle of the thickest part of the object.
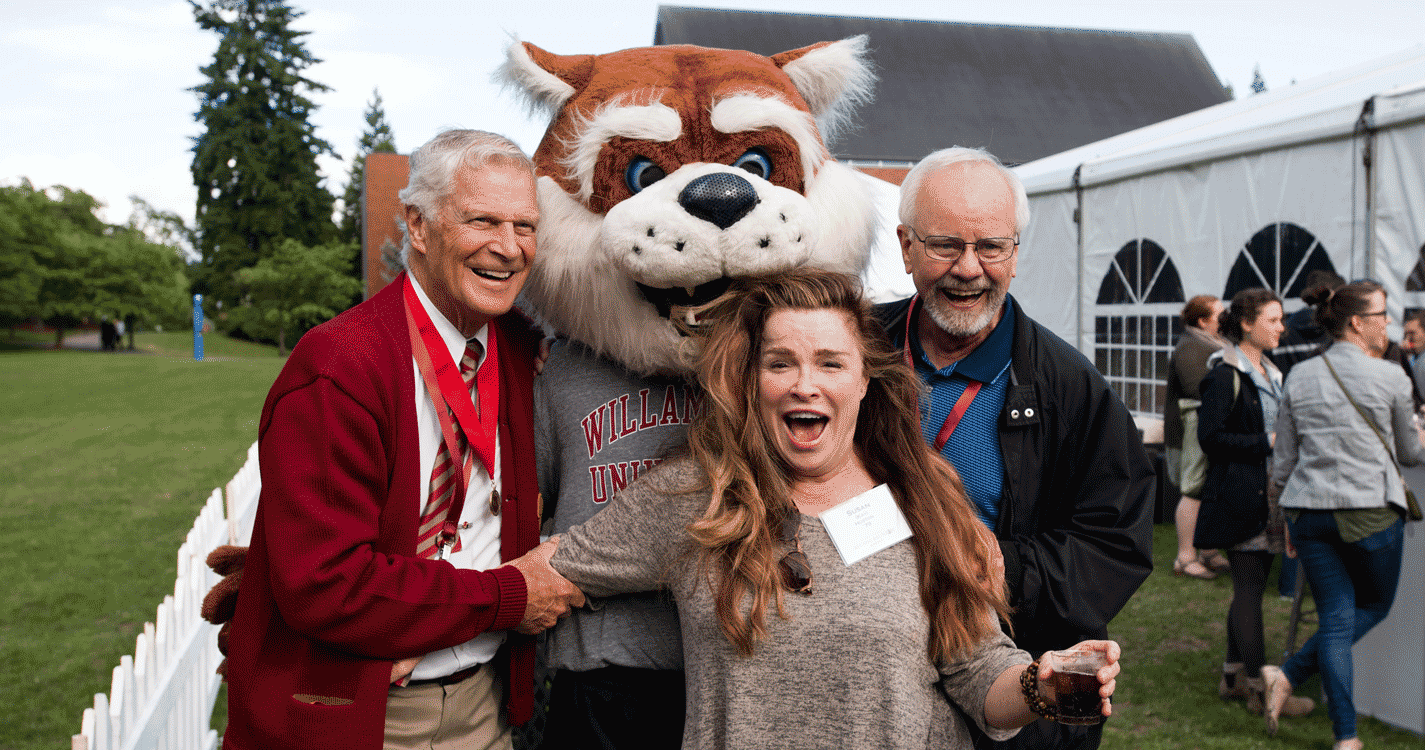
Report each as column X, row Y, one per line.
column 665, row 173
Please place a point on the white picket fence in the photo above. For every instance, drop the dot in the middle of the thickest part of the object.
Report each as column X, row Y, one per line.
column 162, row 695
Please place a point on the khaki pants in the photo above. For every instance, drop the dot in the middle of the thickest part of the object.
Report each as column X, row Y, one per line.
column 463, row 716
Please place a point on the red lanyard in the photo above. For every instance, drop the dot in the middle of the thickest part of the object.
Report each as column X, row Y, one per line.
column 962, row 404
column 442, row 376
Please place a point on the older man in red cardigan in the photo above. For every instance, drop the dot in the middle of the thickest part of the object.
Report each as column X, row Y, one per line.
column 375, row 609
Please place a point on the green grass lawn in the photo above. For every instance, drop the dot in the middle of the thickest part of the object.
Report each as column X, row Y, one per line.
column 1173, row 638
column 105, row 459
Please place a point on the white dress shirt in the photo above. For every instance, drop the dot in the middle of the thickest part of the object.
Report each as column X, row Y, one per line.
column 479, row 530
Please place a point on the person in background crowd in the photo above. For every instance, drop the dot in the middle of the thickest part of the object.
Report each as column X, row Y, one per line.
column 1345, row 420
column 1304, row 338
column 1187, row 466
column 1414, row 346
column 1049, row 455
column 1239, row 400
column 374, row 608
column 793, row 636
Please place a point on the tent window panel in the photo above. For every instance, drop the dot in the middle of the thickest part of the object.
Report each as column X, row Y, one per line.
column 1113, row 291
column 1132, row 348
column 1169, row 286
column 1278, row 257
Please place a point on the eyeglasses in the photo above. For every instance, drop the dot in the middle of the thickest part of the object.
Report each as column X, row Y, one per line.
column 949, row 249
column 796, row 569
column 1367, row 315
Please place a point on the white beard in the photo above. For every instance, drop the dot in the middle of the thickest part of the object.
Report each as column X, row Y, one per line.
column 964, row 323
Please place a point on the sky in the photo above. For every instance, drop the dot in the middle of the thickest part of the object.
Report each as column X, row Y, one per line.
column 94, row 94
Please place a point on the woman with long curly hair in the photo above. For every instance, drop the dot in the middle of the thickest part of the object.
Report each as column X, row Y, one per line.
column 807, row 620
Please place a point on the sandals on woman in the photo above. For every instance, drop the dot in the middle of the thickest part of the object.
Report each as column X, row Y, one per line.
column 1192, row 569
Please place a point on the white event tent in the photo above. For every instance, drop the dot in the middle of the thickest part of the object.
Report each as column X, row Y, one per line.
column 1327, row 173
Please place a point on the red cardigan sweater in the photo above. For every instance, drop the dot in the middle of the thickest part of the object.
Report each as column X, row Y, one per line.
column 332, row 591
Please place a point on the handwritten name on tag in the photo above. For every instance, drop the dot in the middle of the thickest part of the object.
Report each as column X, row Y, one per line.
column 865, row 524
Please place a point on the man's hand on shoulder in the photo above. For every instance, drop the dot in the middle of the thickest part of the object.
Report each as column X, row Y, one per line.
column 550, row 595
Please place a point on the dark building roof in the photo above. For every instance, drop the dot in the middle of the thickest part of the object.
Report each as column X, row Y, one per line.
column 1022, row 92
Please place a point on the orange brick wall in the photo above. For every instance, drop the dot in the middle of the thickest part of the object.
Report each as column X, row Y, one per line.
column 893, row 175
column 386, row 175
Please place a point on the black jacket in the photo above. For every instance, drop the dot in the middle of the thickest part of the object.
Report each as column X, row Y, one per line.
column 1234, row 438
column 1077, row 522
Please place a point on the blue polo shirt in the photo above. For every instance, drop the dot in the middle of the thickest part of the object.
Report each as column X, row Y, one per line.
column 973, row 449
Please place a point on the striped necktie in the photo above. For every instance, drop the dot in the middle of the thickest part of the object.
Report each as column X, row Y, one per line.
column 443, row 476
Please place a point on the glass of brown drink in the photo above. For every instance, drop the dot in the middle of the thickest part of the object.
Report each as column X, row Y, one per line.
column 1074, row 680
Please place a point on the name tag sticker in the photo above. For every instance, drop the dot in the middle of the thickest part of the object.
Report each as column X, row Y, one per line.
column 865, row 524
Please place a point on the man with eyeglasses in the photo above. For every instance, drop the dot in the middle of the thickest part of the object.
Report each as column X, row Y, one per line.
column 1049, row 455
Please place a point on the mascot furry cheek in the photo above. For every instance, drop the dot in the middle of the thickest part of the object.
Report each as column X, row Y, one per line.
column 666, row 172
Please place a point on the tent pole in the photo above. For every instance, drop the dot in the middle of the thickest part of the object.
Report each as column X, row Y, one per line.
column 1363, row 125
column 1079, row 276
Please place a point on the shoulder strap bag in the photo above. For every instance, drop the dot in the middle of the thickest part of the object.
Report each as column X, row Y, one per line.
column 1412, row 506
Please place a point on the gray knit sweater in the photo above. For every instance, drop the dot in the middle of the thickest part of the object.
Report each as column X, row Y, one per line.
column 848, row 667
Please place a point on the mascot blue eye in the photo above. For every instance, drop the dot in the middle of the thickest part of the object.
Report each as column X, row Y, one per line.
column 641, row 173
column 756, row 162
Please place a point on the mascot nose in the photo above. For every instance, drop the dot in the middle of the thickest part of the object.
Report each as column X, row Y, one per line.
column 720, row 198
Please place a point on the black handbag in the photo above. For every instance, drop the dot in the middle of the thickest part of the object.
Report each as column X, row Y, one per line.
column 1412, row 506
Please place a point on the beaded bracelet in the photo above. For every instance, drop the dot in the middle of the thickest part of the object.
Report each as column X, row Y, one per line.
column 1029, row 685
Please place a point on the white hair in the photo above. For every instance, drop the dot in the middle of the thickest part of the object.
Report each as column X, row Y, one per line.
column 938, row 160
column 434, row 164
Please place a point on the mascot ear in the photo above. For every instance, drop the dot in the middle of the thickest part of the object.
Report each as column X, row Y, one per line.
column 545, row 80
column 833, row 77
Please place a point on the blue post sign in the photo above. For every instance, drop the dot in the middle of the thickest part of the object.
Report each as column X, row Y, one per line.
column 198, row 328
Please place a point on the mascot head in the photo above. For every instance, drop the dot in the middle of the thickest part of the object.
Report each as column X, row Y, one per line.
column 668, row 171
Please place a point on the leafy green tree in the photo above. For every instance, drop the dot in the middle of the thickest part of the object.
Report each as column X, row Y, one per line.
column 21, row 229
column 296, row 288
column 60, row 263
column 255, row 163
column 66, row 297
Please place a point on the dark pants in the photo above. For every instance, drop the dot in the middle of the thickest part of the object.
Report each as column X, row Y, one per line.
column 1354, row 586
column 1244, row 618
column 616, row 708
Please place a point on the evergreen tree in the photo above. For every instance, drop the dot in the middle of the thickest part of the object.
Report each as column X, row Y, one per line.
column 376, row 138
column 255, row 164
